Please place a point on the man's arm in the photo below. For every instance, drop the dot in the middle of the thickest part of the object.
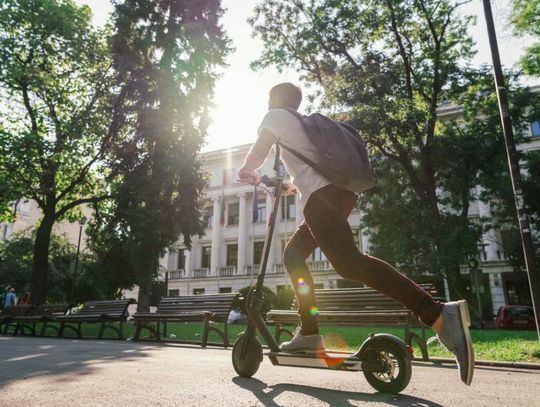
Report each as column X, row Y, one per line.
column 256, row 157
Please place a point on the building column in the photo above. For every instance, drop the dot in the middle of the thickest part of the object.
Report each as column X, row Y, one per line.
column 187, row 262
column 242, row 231
column 216, row 237
column 269, row 202
column 299, row 216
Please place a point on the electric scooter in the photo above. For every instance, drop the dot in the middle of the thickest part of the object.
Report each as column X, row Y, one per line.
column 384, row 359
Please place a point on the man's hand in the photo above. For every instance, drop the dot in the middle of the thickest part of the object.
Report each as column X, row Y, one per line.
column 291, row 189
column 249, row 176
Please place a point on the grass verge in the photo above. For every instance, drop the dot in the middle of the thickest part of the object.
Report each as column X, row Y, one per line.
column 513, row 346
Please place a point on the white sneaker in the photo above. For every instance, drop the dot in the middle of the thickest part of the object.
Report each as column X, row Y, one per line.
column 304, row 343
column 456, row 338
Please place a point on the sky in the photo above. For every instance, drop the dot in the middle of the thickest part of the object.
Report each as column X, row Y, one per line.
column 241, row 94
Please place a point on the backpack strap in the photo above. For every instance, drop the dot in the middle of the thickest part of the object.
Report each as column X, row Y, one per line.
column 302, row 157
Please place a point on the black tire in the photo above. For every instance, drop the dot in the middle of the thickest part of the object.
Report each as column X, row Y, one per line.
column 399, row 371
column 248, row 365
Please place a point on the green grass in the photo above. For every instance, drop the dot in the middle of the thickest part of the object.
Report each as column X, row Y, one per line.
column 522, row 346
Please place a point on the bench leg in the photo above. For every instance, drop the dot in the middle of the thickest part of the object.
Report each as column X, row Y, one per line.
column 43, row 329
column 226, row 333
column 411, row 336
column 60, row 330
column 101, row 330
column 206, row 331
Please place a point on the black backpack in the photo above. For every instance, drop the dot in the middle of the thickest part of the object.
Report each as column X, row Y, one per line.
column 343, row 159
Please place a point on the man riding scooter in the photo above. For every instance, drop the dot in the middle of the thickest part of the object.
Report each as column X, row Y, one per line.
column 327, row 205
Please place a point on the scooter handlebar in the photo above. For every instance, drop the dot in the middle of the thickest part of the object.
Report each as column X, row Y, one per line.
column 269, row 182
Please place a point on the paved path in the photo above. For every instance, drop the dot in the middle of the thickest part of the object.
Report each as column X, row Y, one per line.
column 64, row 372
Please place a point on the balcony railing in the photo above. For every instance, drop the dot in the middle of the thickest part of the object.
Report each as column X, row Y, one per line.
column 320, row 265
column 278, row 268
column 177, row 274
column 201, row 273
column 227, row 271
column 252, row 269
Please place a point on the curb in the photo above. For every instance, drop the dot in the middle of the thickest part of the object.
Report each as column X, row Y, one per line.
column 492, row 363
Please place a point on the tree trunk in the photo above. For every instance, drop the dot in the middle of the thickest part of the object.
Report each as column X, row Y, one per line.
column 145, row 286
column 38, row 289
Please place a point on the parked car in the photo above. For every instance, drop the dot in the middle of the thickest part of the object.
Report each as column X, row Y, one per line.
column 515, row 317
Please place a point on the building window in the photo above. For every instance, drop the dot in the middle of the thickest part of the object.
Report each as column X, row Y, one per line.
column 174, row 293
column 259, row 211
column 233, row 214
column 198, row 291
column 535, row 129
column 317, row 255
column 232, row 255
column 208, row 217
column 258, row 248
column 206, row 255
column 225, row 290
column 181, row 261
column 290, row 205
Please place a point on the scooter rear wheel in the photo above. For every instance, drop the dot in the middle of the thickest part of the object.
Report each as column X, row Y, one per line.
column 246, row 360
column 397, row 368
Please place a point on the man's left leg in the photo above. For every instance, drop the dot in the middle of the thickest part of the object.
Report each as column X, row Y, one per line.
column 299, row 247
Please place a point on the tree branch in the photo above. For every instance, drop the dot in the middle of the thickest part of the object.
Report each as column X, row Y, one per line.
column 78, row 202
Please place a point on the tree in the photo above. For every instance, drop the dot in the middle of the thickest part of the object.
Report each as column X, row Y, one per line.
column 526, row 20
column 385, row 67
column 269, row 300
column 472, row 166
column 16, row 265
column 56, row 82
column 164, row 55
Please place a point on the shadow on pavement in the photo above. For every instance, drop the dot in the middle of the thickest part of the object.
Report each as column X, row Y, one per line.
column 266, row 394
column 23, row 358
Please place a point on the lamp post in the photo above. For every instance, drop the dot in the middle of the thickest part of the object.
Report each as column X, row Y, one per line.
column 513, row 162
column 82, row 222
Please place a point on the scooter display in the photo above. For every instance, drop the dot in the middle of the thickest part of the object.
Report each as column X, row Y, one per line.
column 384, row 359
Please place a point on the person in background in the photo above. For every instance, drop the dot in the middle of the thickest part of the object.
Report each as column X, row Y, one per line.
column 24, row 298
column 3, row 297
column 10, row 299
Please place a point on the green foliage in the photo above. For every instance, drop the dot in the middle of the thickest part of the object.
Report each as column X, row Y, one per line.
column 284, row 298
column 384, row 67
column 526, row 20
column 387, row 68
column 16, row 264
column 55, row 78
column 269, row 301
column 165, row 55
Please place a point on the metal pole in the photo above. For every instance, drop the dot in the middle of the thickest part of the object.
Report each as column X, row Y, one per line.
column 513, row 163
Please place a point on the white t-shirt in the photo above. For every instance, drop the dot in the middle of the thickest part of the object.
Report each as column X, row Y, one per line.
column 288, row 130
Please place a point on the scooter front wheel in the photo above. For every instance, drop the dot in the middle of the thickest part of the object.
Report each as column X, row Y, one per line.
column 396, row 372
column 247, row 355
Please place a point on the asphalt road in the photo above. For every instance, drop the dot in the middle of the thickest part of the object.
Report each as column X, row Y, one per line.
column 64, row 372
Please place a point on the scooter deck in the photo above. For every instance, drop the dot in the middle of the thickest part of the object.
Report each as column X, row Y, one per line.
column 328, row 360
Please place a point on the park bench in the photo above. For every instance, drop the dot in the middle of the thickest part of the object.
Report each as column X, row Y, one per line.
column 357, row 307
column 8, row 314
column 208, row 308
column 104, row 312
column 44, row 314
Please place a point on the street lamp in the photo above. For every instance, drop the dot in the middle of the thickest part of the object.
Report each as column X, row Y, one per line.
column 82, row 222
column 513, row 162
